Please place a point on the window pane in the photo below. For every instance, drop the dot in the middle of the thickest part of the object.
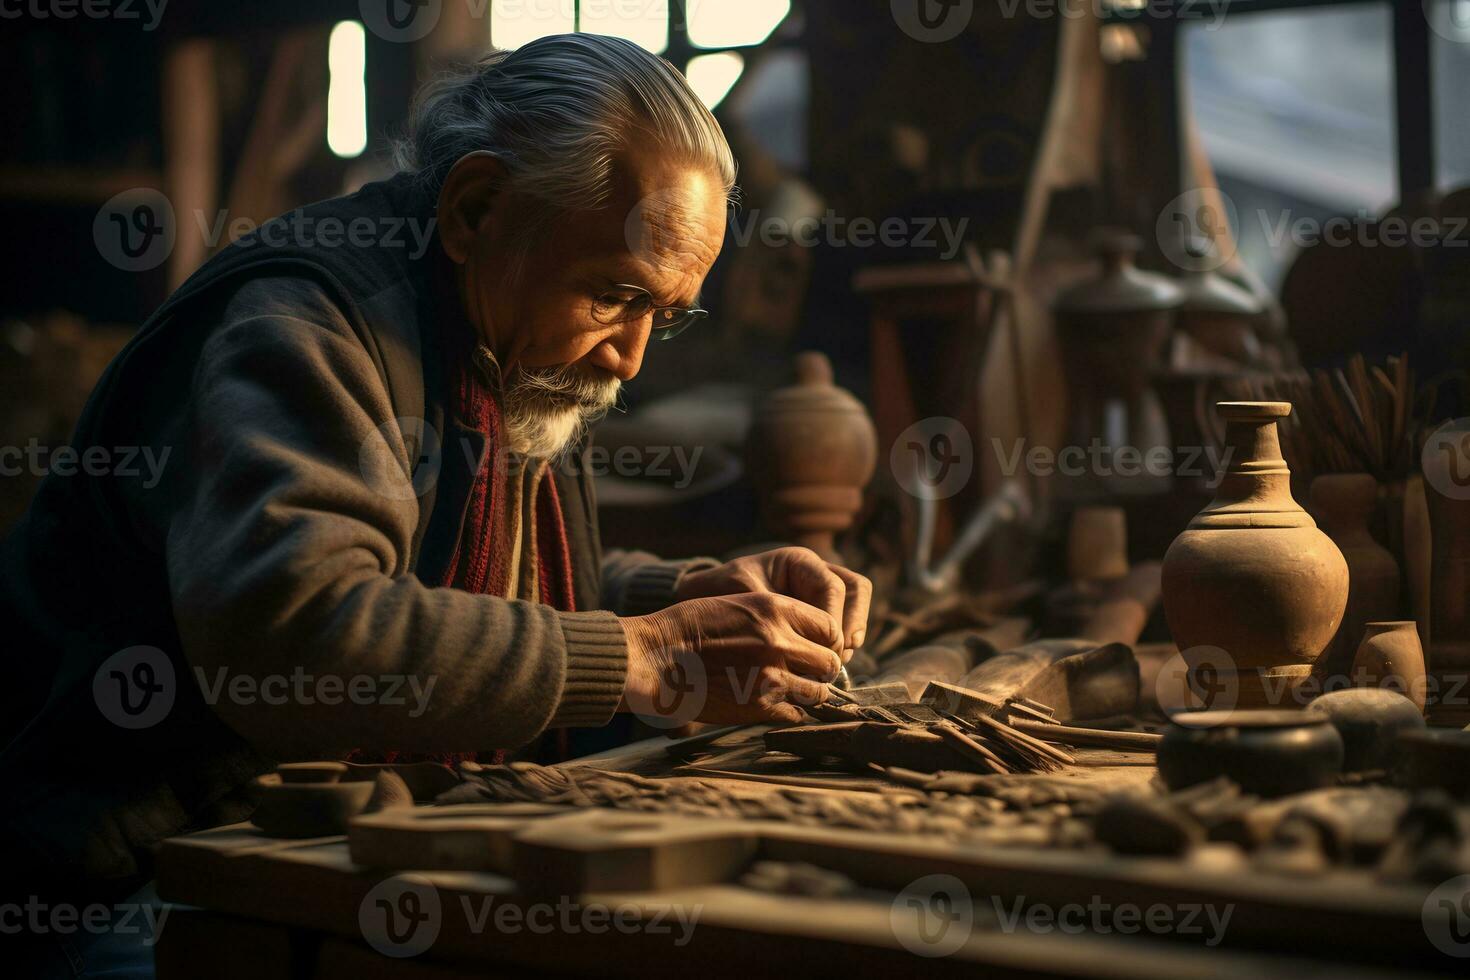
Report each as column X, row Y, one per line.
column 644, row 22
column 1295, row 109
column 517, row 22
column 734, row 23
column 347, row 90
column 1450, row 60
column 713, row 75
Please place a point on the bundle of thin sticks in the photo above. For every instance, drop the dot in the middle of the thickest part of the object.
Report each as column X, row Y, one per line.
column 986, row 741
column 1358, row 419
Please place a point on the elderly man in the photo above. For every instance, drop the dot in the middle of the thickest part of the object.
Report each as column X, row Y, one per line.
column 280, row 594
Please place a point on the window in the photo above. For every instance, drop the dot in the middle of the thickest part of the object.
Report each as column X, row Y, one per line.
column 1449, row 22
column 699, row 35
column 1296, row 111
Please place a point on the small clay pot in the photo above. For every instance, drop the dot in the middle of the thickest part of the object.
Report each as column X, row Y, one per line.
column 1370, row 721
column 307, row 809
column 1268, row 753
column 1391, row 657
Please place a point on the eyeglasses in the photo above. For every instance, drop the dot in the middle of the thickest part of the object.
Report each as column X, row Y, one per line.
column 628, row 304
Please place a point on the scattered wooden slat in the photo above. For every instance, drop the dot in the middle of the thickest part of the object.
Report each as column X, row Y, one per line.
column 1089, row 737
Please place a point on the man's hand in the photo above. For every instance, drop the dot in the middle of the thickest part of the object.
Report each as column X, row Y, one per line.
column 796, row 572
column 730, row 659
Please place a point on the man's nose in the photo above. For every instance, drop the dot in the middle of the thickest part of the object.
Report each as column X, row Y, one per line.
column 622, row 353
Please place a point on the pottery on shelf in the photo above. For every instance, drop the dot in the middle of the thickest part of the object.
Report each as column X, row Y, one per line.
column 1391, row 657
column 811, row 450
column 1268, row 753
column 1219, row 315
column 1252, row 575
column 1113, row 330
column 1344, row 503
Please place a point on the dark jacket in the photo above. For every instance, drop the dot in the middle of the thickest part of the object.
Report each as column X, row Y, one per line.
column 163, row 632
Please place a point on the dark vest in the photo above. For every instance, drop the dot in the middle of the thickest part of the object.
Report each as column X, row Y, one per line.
column 83, row 575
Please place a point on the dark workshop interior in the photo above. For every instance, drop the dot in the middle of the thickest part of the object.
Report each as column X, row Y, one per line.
column 734, row 487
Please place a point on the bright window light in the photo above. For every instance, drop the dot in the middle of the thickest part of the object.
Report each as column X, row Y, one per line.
column 644, row 22
column 347, row 89
column 713, row 75
column 734, row 23
column 517, row 22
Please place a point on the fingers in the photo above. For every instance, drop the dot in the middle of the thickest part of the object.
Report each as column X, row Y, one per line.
column 816, row 583
column 783, row 698
column 859, row 595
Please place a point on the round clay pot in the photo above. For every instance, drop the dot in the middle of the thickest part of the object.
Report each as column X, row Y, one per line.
column 1252, row 575
column 1370, row 722
column 1344, row 502
column 811, row 450
column 1392, row 657
column 1268, row 753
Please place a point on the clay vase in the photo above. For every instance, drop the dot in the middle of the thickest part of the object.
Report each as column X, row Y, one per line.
column 1344, row 502
column 1391, row 657
column 1252, row 589
column 811, row 450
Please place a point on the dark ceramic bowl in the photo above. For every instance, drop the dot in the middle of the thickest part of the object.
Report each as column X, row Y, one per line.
column 1268, row 753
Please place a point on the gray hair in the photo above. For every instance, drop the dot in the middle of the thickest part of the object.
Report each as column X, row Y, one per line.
column 556, row 112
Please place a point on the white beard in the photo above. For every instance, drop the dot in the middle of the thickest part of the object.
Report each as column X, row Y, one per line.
column 547, row 411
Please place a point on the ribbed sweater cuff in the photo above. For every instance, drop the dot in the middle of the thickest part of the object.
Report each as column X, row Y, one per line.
column 597, row 667
column 651, row 586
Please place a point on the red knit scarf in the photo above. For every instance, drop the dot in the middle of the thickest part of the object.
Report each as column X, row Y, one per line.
column 481, row 564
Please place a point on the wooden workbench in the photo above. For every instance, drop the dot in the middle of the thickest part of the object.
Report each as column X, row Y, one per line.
column 303, row 909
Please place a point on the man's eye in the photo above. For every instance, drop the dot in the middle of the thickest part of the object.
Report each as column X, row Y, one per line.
column 620, row 306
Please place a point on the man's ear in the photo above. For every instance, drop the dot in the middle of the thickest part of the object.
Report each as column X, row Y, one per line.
column 468, row 199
